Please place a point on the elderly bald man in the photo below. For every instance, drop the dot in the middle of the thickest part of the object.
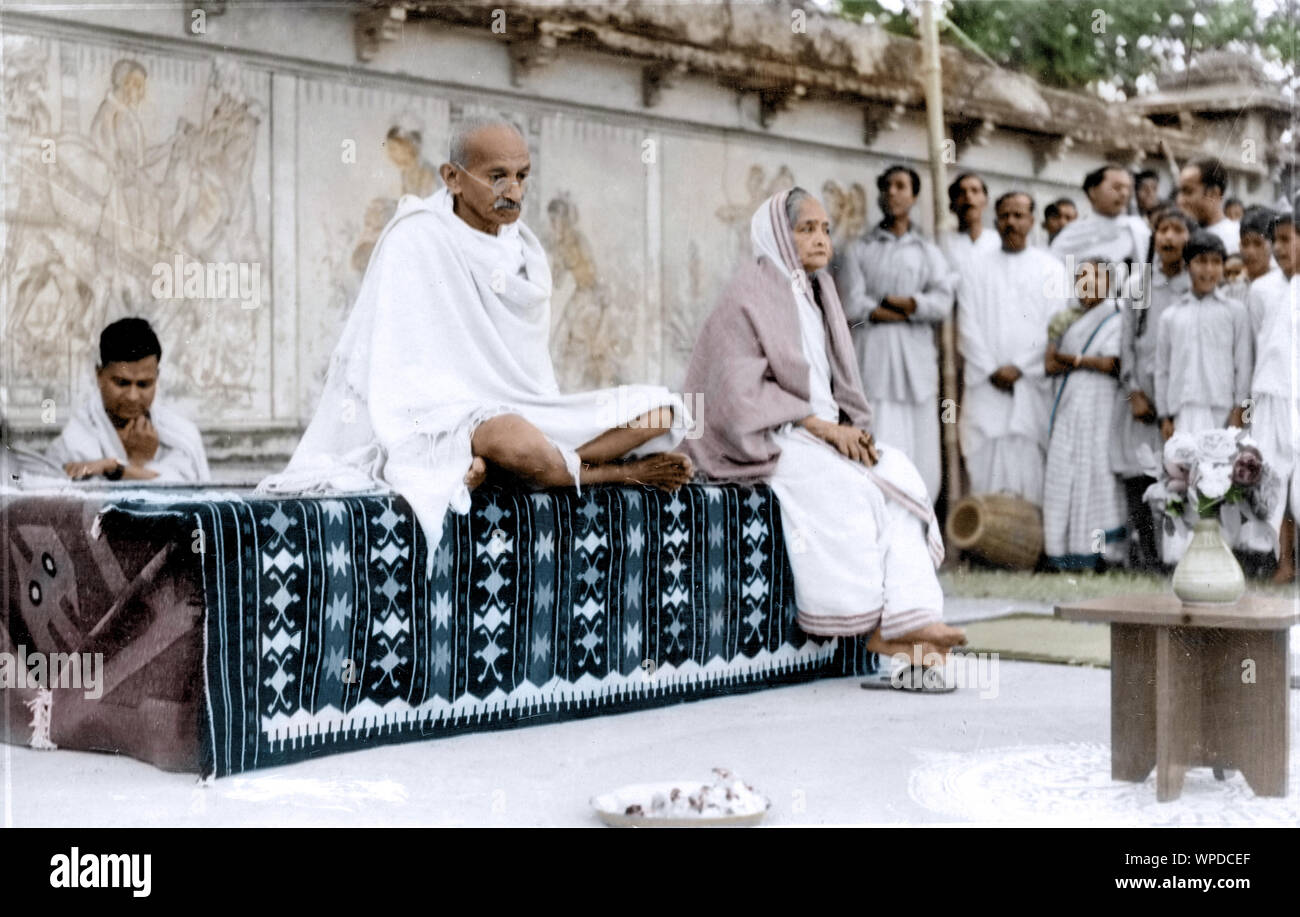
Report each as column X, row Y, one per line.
column 444, row 371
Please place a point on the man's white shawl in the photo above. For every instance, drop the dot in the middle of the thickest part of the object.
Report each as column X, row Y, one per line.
column 89, row 436
column 1115, row 239
column 450, row 328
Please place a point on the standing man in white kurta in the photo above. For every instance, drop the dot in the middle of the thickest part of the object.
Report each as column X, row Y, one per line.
column 1272, row 308
column 968, row 198
column 1005, row 302
column 1202, row 186
column 897, row 288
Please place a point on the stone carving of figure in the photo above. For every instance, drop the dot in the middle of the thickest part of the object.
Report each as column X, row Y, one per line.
column 757, row 189
column 403, row 147
column 586, row 343
column 378, row 213
column 90, row 226
column 847, row 209
column 117, row 134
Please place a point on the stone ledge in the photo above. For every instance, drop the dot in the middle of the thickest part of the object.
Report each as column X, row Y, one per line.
column 752, row 46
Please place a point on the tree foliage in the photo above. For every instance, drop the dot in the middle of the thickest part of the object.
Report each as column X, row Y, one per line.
column 1123, row 44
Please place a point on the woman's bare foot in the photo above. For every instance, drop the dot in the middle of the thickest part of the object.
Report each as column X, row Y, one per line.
column 476, row 474
column 940, row 633
column 918, row 652
column 669, row 470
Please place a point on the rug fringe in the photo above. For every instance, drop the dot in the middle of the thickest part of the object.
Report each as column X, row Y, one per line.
column 41, row 706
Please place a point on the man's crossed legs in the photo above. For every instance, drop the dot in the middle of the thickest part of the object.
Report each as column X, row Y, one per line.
column 511, row 443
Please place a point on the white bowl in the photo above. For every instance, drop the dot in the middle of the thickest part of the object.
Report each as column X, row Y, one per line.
column 612, row 807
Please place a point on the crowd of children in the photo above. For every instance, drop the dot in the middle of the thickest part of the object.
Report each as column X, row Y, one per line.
column 1196, row 337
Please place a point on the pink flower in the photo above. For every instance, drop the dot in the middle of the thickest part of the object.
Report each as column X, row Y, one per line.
column 1179, row 475
column 1248, row 467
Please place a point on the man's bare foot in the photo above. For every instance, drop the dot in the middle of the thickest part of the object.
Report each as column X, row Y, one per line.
column 940, row 633
column 669, row 470
column 477, row 472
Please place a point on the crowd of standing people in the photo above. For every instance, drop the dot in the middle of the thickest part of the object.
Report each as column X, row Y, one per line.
column 1080, row 358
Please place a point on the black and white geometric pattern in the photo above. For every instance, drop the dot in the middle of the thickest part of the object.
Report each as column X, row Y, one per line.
column 324, row 634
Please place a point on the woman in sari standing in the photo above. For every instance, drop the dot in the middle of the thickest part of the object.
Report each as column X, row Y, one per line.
column 1083, row 501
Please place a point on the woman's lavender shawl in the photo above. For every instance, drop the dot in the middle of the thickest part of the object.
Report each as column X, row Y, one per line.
column 749, row 370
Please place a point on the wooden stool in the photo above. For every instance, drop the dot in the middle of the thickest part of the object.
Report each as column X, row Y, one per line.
column 1196, row 686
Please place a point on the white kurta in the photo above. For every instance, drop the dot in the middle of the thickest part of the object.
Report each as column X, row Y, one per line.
column 1083, row 503
column 899, row 361
column 1147, row 302
column 1204, row 360
column 1230, row 232
column 960, row 249
column 1274, row 308
column 859, row 558
column 1004, row 304
column 1264, row 293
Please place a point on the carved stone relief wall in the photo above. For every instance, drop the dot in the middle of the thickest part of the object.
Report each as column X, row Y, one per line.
column 359, row 151
column 135, row 184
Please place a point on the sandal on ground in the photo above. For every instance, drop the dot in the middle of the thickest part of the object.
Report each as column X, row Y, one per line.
column 916, row 679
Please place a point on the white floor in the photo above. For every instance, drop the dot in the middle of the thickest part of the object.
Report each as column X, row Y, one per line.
column 825, row 753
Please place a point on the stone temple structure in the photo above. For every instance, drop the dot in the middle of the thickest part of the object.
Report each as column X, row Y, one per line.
column 224, row 170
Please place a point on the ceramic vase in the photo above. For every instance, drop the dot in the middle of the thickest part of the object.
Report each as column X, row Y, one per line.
column 1208, row 572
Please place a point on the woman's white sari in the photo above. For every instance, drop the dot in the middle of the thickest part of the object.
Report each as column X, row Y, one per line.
column 1083, row 501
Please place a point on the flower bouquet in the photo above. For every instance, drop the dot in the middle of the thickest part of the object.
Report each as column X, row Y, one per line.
column 1205, row 478
column 1202, row 473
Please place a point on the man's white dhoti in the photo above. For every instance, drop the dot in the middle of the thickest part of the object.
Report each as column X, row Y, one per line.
column 1271, row 306
column 1196, row 418
column 1005, row 302
column 1271, row 429
column 898, row 361
column 1008, row 464
column 860, row 559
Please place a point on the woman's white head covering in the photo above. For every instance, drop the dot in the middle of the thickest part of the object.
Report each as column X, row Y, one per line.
column 773, row 239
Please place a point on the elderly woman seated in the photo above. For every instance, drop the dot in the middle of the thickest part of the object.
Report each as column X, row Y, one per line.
column 784, row 404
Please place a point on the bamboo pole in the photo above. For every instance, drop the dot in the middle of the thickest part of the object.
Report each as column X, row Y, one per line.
column 932, row 81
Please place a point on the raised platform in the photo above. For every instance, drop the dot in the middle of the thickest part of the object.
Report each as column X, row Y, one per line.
column 241, row 632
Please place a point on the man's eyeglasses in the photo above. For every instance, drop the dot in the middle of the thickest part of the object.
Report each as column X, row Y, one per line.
column 500, row 185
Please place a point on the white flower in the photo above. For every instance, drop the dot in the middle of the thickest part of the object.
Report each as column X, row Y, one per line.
column 1214, row 481
column 1218, row 446
column 1181, row 449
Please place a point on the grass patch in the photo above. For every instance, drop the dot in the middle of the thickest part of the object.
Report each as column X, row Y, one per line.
column 1038, row 638
column 1051, row 588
